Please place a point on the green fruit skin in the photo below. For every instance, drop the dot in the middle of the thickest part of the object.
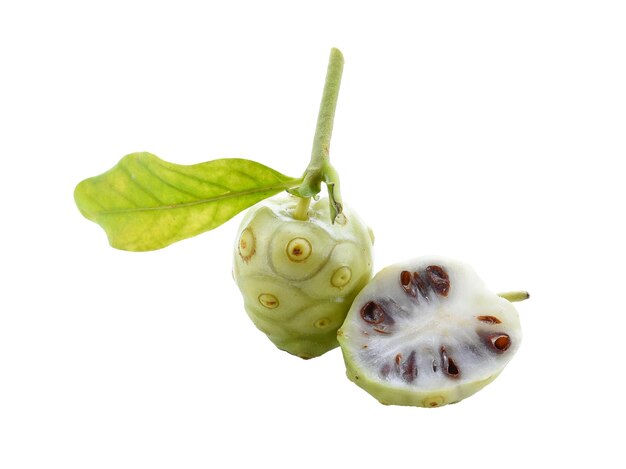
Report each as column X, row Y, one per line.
column 393, row 395
column 298, row 278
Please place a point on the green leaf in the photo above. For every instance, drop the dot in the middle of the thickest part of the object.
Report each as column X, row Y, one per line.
column 145, row 203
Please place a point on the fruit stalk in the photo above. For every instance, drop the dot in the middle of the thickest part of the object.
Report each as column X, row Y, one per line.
column 326, row 115
column 319, row 169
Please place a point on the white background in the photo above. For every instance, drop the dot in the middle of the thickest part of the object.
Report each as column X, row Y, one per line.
column 493, row 132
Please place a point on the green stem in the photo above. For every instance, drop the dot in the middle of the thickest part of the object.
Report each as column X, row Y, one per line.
column 302, row 209
column 326, row 115
column 513, row 296
column 319, row 169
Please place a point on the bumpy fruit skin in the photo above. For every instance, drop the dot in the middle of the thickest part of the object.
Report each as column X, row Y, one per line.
column 426, row 333
column 299, row 278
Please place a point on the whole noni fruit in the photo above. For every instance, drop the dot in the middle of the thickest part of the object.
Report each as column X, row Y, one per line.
column 298, row 278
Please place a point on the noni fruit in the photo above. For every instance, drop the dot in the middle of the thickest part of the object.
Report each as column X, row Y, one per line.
column 426, row 333
column 298, row 278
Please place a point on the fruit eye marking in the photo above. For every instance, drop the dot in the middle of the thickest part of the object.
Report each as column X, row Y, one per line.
column 322, row 323
column 247, row 246
column 434, row 401
column 489, row 319
column 341, row 277
column 500, row 342
column 372, row 313
column 449, row 367
column 268, row 300
column 299, row 249
column 438, row 279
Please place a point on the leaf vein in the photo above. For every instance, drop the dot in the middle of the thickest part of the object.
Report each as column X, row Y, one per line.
column 140, row 186
column 151, row 171
column 258, row 190
column 246, row 175
column 196, row 178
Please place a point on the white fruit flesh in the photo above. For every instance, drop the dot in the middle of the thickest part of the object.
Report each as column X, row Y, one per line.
column 427, row 332
column 298, row 278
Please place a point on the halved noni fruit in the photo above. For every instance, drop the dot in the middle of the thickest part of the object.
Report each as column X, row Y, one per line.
column 427, row 333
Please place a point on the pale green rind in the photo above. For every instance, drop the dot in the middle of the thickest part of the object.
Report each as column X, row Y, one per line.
column 144, row 203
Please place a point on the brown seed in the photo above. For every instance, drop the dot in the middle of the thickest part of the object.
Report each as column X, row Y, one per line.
column 420, row 284
column 452, row 369
column 438, row 279
column 372, row 313
column 409, row 368
column 398, row 359
column 500, row 342
column 449, row 367
column 489, row 319
column 407, row 285
column 405, row 278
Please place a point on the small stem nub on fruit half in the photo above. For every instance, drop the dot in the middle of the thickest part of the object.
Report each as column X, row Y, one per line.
column 319, row 169
column 514, row 296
